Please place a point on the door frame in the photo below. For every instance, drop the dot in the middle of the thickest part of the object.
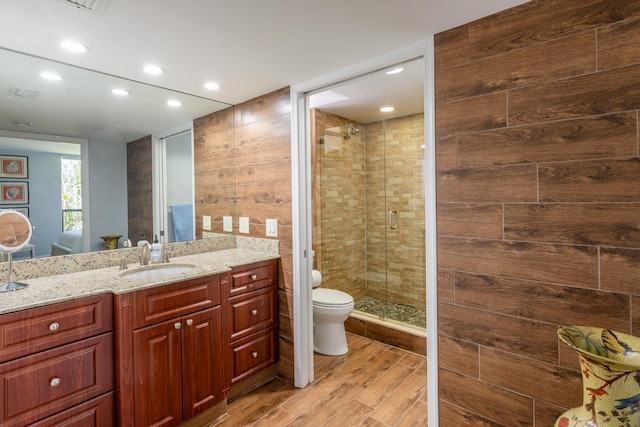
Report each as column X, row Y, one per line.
column 159, row 184
column 301, row 213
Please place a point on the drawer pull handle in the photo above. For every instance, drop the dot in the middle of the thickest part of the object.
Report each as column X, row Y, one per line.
column 189, row 322
column 54, row 326
column 254, row 354
column 177, row 325
column 54, row 382
column 254, row 312
column 254, row 277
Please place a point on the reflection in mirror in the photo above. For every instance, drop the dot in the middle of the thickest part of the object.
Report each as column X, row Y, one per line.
column 15, row 234
column 79, row 118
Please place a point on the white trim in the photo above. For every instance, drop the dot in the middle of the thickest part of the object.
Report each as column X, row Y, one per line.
column 301, row 222
column 303, row 315
column 431, row 235
column 159, row 184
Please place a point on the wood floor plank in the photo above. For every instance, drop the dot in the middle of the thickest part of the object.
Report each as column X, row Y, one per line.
column 397, row 404
column 416, row 416
column 328, row 406
column 352, row 414
column 277, row 417
column 384, row 385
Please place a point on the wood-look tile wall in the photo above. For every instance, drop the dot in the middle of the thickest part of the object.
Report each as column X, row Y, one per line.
column 139, row 189
column 538, row 202
column 243, row 156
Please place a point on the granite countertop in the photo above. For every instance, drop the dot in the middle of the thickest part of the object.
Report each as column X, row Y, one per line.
column 64, row 287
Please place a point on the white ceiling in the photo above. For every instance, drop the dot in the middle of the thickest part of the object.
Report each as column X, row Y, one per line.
column 249, row 47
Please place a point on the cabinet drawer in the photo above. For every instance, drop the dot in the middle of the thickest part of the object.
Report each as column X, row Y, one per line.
column 43, row 384
column 254, row 353
column 253, row 311
column 37, row 329
column 251, row 277
column 94, row 413
column 166, row 302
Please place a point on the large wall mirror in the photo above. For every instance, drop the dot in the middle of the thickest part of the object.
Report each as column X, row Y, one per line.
column 65, row 139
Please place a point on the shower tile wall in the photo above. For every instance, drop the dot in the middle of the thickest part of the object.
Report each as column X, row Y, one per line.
column 403, row 258
column 338, row 194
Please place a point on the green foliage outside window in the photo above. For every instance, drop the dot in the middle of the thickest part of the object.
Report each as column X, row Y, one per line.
column 71, row 194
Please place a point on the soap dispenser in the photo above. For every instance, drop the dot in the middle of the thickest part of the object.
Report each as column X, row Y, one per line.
column 142, row 241
column 156, row 251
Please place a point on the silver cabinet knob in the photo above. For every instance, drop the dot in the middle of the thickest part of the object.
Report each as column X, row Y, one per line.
column 54, row 326
column 54, row 381
column 189, row 322
column 254, row 354
column 254, row 312
column 177, row 325
column 254, row 277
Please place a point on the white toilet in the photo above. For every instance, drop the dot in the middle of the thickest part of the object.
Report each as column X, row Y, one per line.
column 330, row 309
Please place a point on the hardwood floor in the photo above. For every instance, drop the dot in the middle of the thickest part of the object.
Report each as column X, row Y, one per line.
column 373, row 385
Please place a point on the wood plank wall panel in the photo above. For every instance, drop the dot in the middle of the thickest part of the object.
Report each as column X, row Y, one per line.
column 537, row 185
column 618, row 44
column 243, row 168
column 556, row 59
column 139, row 189
column 594, row 137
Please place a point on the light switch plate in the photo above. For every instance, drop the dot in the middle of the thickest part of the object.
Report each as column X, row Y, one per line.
column 227, row 223
column 206, row 222
column 243, row 227
column 272, row 227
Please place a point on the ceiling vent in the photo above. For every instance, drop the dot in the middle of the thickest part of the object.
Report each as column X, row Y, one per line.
column 19, row 92
column 93, row 6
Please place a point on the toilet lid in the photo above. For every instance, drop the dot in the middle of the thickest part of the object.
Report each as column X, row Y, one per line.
column 331, row 298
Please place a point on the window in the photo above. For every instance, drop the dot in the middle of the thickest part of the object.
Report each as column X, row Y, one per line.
column 71, row 194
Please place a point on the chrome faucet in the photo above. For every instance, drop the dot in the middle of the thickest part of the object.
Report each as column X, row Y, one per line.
column 145, row 254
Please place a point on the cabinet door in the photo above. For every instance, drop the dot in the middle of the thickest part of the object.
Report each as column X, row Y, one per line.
column 158, row 375
column 201, row 361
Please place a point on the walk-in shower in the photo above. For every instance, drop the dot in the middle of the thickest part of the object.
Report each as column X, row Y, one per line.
column 369, row 214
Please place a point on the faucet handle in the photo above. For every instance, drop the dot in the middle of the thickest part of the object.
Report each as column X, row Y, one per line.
column 123, row 262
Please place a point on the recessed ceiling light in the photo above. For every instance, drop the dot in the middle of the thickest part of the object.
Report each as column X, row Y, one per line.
column 386, row 109
column 73, row 46
column 48, row 75
column 120, row 92
column 212, row 86
column 395, row 70
column 174, row 103
column 153, row 69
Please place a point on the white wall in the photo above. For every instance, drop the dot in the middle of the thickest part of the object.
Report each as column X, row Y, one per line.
column 179, row 174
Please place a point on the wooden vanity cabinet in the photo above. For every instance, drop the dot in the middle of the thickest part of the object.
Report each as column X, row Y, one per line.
column 56, row 365
column 169, row 342
column 252, row 312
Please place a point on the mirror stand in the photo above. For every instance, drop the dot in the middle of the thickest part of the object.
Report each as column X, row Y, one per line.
column 11, row 285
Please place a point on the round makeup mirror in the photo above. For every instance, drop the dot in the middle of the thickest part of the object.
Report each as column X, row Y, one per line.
column 15, row 234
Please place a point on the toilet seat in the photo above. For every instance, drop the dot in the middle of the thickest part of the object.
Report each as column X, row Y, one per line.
column 323, row 297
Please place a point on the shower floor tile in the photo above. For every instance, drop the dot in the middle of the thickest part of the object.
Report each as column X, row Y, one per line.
column 398, row 312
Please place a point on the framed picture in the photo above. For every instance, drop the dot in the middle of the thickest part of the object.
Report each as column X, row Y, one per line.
column 14, row 167
column 12, row 193
column 24, row 210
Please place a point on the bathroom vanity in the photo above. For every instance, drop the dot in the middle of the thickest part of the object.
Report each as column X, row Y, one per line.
column 139, row 352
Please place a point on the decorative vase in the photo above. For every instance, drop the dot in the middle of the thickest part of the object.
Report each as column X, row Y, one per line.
column 610, row 364
column 111, row 242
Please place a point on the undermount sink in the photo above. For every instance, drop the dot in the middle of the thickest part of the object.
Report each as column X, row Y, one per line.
column 155, row 271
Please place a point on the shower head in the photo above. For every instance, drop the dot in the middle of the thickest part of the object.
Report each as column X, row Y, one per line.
column 350, row 130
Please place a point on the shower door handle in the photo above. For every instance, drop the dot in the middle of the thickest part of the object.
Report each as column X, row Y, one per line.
column 393, row 220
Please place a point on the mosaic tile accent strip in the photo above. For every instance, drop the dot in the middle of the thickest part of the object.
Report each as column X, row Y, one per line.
column 398, row 312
